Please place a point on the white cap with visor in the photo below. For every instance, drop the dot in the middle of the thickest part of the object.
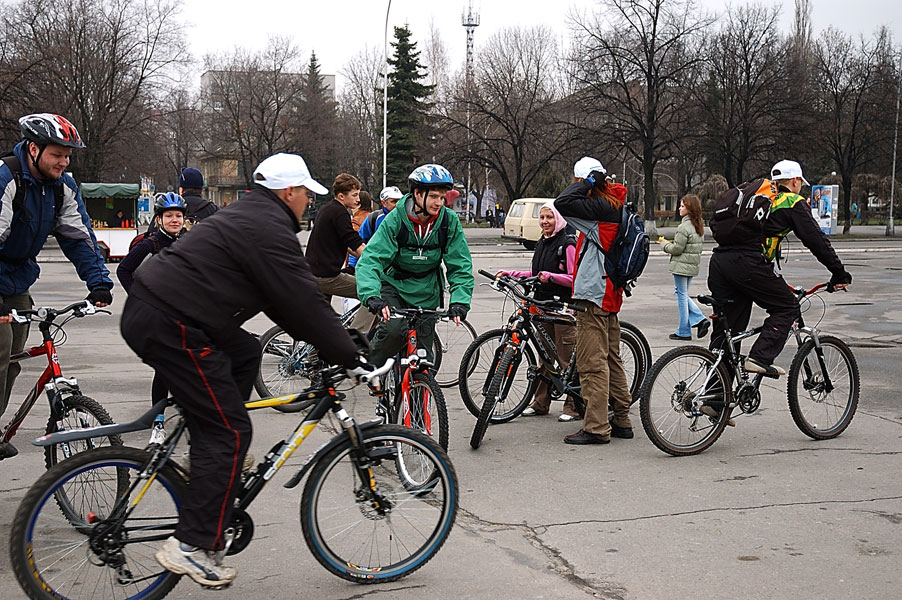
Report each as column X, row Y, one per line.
column 281, row 171
column 787, row 169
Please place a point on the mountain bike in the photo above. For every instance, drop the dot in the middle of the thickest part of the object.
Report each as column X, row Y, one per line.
column 690, row 393
column 411, row 397
column 525, row 337
column 379, row 502
column 69, row 408
column 286, row 364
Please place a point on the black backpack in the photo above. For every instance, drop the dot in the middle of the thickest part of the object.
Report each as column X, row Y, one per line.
column 626, row 259
column 14, row 165
column 740, row 213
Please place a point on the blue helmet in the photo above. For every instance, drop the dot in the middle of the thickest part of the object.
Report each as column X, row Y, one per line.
column 169, row 201
column 430, row 176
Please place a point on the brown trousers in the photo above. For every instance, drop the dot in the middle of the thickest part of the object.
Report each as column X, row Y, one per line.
column 345, row 286
column 564, row 337
column 600, row 369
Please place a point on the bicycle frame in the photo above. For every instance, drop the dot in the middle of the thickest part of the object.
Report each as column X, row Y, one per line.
column 413, row 361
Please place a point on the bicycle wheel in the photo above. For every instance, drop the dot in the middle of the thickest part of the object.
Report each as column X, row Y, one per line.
column 820, row 413
column 368, row 537
column 477, row 368
column 492, row 395
column 424, row 409
column 94, row 558
column 286, row 367
column 684, row 401
column 635, row 353
column 453, row 342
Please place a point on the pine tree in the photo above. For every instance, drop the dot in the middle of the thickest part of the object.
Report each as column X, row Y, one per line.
column 407, row 108
column 318, row 116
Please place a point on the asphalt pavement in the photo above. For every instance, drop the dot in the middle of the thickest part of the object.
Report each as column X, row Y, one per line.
column 764, row 513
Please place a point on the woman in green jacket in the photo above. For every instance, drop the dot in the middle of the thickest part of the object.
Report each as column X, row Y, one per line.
column 685, row 255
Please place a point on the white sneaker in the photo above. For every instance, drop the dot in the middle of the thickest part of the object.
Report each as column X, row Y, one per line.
column 753, row 366
column 200, row 565
column 247, row 465
column 565, row 418
column 712, row 412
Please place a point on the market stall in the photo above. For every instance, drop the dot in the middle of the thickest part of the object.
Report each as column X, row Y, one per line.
column 113, row 209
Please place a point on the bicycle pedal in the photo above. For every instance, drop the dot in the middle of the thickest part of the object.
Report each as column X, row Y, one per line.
column 7, row 450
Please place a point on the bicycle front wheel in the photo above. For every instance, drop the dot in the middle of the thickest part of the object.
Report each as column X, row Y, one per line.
column 477, row 369
column 635, row 353
column 451, row 342
column 381, row 531
column 684, row 401
column 823, row 410
column 90, row 554
column 422, row 408
column 287, row 366
column 493, row 394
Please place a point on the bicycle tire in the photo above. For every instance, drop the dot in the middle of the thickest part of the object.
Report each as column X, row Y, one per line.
column 673, row 382
column 80, row 407
column 285, row 367
column 494, row 390
column 44, row 547
column 418, row 535
column 453, row 344
column 423, row 383
column 477, row 369
column 640, row 351
column 841, row 402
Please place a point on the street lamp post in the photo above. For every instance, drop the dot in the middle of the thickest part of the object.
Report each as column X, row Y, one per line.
column 890, row 225
column 385, row 98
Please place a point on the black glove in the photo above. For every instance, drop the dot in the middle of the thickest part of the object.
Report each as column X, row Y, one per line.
column 375, row 305
column 359, row 367
column 4, row 309
column 100, row 295
column 458, row 310
column 840, row 278
column 595, row 176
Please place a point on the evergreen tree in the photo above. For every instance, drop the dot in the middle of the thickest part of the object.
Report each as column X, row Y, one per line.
column 407, row 108
column 317, row 114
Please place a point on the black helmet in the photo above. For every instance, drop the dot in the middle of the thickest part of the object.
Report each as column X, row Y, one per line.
column 169, row 201
column 47, row 128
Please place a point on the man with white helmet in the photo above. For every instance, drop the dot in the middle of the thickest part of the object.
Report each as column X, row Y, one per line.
column 388, row 197
column 38, row 198
column 748, row 272
column 247, row 258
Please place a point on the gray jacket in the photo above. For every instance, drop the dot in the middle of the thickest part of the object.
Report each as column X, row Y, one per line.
column 685, row 250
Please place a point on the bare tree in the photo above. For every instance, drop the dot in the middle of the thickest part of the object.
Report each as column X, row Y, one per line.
column 101, row 64
column 519, row 121
column 638, row 56
column 359, row 150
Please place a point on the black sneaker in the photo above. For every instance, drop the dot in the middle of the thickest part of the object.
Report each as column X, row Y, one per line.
column 680, row 338
column 624, row 433
column 703, row 327
column 582, row 438
column 7, row 450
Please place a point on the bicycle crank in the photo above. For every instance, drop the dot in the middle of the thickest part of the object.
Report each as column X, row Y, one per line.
column 242, row 531
column 748, row 398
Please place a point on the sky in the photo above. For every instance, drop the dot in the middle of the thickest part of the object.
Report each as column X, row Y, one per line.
column 340, row 29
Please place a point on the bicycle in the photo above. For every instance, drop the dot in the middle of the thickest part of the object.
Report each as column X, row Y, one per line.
column 286, row 364
column 379, row 502
column 69, row 408
column 411, row 397
column 524, row 332
column 689, row 394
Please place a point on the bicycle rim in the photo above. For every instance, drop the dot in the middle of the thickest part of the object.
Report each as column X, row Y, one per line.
column 670, row 416
column 56, row 556
column 424, row 410
column 819, row 412
column 286, row 365
column 368, row 540
column 477, row 369
column 635, row 355
column 453, row 341
column 493, row 394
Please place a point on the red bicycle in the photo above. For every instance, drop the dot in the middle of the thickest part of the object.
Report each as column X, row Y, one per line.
column 69, row 408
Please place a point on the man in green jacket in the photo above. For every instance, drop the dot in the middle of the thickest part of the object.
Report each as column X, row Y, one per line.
column 401, row 266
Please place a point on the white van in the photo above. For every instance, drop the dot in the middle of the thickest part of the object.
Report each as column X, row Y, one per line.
column 522, row 221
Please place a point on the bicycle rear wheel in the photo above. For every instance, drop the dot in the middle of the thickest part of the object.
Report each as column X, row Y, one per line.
column 423, row 409
column 374, row 537
column 287, row 366
column 635, row 353
column 90, row 557
column 452, row 341
column 493, row 394
column 819, row 412
column 684, row 402
column 477, row 369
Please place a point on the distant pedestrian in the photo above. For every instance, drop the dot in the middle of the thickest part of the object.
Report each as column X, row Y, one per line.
column 685, row 255
column 490, row 217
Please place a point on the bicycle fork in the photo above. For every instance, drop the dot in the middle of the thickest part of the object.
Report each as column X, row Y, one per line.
column 810, row 382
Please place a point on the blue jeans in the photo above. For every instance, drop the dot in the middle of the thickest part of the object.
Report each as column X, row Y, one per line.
column 690, row 315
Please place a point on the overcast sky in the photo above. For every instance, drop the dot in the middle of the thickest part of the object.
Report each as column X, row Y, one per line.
column 337, row 30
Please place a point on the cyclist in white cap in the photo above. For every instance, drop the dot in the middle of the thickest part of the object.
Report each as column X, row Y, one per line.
column 750, row 272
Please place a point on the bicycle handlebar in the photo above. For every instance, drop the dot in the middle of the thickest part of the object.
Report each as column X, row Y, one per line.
column 802, row 292
column 508, row 282
column 48, row 314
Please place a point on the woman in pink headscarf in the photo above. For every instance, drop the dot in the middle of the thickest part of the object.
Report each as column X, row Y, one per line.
column 553, row 261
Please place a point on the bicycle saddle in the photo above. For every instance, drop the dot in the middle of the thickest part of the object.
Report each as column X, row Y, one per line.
column 712, row 301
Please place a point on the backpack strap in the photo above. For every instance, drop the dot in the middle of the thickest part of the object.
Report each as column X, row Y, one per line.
column 14, row 164
column 371, row 219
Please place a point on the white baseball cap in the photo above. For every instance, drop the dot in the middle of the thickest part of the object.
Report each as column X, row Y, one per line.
column 281, row 171
column 787, row 169
column 586, row 165
column 392, row 192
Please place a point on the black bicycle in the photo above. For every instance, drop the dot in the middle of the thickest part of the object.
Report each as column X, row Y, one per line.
column 379, row 502
column 493, row 383
column 691, row 392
